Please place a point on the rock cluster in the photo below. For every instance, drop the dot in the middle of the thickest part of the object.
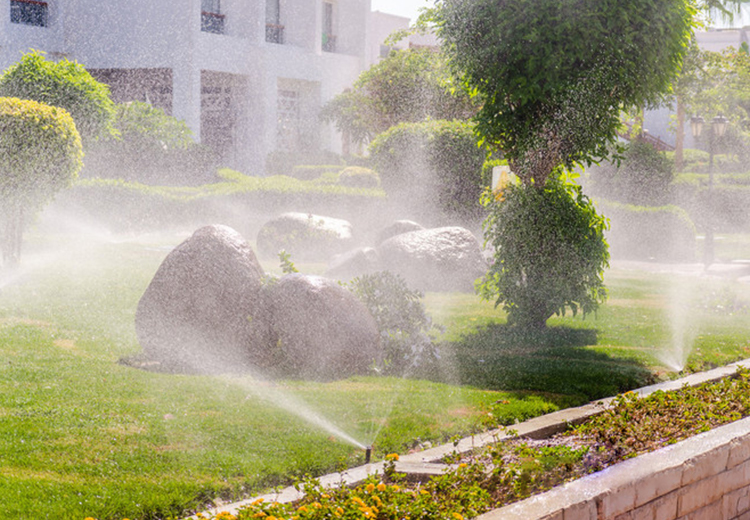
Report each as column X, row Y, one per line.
column 208, row 309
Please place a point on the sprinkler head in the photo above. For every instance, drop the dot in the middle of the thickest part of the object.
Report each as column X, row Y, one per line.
column 368, row 454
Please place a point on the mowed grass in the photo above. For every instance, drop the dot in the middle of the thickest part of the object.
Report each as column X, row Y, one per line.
column 82, row 434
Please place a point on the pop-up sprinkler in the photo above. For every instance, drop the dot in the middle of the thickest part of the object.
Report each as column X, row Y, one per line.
column 368, row 454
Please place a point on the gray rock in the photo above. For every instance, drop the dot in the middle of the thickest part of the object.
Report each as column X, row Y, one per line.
column 320, row 330
column 202, row 310
column 364, row 260
column 439, row 259
column 397, row 228
column 304, row 236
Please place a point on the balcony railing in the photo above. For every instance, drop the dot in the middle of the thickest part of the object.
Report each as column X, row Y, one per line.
column 213, row 22
column 329, row 42
column 274, row 33
column 29, row 12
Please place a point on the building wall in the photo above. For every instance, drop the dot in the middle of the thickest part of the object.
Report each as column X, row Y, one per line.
column 139, row 43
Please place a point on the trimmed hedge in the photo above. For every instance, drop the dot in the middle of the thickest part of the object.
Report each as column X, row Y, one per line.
column 237, row 200
column 728, row 207
column 434, row 166
column 649, row 233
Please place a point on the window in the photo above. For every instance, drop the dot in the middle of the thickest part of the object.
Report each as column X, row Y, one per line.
column 329, row 39
column 212, row 20
column 274, row 29
column 29, row 12
column 288, row 112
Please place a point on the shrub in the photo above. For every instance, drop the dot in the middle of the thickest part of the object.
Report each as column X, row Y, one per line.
column 642, row 176
column 281, row 162
column 150, row 147
column 550, row 252
column 40, row 154
column 308, row 172
column 402, row 322
column 64, row 84
column 359, row 177
column 649, row 233
column 726, row 207
column 435, row 164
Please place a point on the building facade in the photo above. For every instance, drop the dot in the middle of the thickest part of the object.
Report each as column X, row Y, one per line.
column 247, row 76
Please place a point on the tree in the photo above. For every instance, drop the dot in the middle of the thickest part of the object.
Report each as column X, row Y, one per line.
column 64, row 84
column 40, row 153
column 553, row 75
column 550, row 252
column 408, row 86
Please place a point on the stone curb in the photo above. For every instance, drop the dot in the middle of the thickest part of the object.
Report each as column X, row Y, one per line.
column 424, row 462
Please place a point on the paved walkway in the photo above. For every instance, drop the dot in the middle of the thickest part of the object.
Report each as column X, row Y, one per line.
column 739, row 270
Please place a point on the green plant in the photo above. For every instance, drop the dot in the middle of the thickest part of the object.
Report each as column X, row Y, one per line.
column 663, row 233
column 402, row 321
column 408, row 86
column 550, row 252
column 40, row 154
column 359, row 177
column 151, row 147
column 434, row 164
column 64, row 84
column 642, row 176
column 550, row 77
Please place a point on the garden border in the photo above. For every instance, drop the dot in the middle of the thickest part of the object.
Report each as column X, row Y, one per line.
column 706, row 475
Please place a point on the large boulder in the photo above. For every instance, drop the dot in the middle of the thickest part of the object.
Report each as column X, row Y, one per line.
column 202, row 312
column 304, row 236
column 397, row 228
column 363, row 260
column 439, row 259
column 320, row 330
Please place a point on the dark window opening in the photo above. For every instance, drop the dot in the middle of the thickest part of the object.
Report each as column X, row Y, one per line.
column 29, row 12
column 212, row 20
column 274, row 29
column 329, row 39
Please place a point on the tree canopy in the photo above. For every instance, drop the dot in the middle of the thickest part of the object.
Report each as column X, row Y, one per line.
column 64, row 84
column 408, row 86
column 553, row 75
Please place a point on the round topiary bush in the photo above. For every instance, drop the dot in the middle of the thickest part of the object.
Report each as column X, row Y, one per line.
column 40, row 154
column 434, row 164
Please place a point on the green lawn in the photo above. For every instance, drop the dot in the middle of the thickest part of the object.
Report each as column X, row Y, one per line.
column 82, row 434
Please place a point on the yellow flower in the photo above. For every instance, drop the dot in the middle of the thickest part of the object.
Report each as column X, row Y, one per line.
column 458, row 516
column 358, row 501
column 382, row 487
column 340, row 510
column 423, row 492
column 259, row 514
column 462, row 465
column 302, row 509
column 391, row 456
column 257, row 502
column 325, row 496
column 396, row 487
column 317, row 505
column 370, row 487
column 271, row 518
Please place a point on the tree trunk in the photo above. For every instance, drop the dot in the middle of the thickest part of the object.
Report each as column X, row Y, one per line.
column 13, row 233
column 679, row 141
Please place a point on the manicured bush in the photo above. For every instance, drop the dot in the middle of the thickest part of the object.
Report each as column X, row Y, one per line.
column 150, row 147
column 642, row 176
column 40, row 154
column 435, row 165
column 726, row 208
column 549, row 252
column 359, row 177
column 64, row 84
column 649, row 233
column 308, row 172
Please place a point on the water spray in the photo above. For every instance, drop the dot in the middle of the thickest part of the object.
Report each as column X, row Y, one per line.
column 368, row 454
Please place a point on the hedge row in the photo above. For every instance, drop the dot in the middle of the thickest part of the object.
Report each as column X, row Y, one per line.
column 649, row 233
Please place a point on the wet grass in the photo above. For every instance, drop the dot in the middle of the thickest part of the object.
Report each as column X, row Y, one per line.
column 83, row 435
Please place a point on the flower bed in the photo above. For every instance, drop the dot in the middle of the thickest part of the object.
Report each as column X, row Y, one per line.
column 478, row 481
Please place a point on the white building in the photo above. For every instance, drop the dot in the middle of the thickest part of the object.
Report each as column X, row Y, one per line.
column 247, row 76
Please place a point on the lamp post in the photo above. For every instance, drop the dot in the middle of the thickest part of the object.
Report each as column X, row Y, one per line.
column 718, row 127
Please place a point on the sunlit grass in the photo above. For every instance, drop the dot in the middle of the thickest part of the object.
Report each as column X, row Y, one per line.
column 83, row 435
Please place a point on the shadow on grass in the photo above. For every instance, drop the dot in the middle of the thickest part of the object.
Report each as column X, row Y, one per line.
column 553, row 360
